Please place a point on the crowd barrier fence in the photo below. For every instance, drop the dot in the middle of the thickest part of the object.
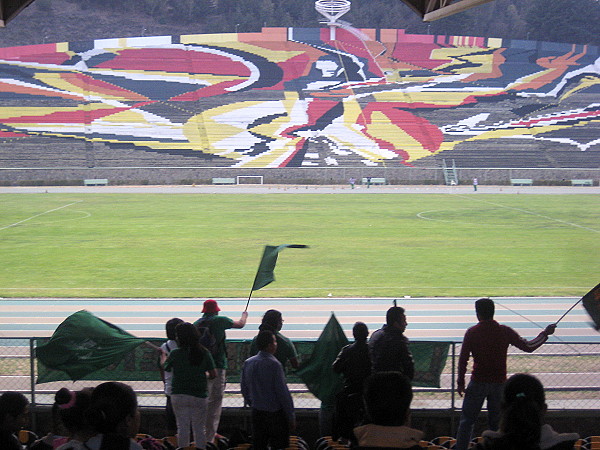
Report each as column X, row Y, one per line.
column 569, row 371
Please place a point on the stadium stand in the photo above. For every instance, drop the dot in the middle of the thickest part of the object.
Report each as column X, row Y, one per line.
column 291, row 98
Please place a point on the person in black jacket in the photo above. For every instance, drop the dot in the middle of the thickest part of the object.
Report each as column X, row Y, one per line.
column 521, row 420
column 389, row 347
column 354, row 363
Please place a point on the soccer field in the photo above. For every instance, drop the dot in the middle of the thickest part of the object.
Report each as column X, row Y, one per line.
column 200, row 245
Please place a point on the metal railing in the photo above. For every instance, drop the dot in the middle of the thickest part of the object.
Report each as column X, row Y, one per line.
column 568, row 370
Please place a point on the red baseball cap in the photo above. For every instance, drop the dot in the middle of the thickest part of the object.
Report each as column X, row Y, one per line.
column 210, row 306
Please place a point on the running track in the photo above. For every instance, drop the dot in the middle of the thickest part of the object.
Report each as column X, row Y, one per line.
column 428, row 318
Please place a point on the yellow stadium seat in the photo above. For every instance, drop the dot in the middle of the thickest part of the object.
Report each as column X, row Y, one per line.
column 171, row 440
column 444, row 441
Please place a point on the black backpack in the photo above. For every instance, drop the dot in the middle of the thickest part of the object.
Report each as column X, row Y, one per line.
column 207, row 339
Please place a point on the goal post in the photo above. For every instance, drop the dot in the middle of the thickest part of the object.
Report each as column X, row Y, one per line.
column 249, row 179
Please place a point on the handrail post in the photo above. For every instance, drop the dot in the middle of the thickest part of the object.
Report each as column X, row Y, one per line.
column 32, row 379
column 453, row 394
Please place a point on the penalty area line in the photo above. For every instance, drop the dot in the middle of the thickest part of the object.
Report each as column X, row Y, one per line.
column 38, row 215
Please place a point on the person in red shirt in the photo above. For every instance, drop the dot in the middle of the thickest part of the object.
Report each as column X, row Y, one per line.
column 487, row 342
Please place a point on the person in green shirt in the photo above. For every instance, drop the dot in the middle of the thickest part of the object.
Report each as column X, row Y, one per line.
column 216, row 387
column 190, row 363
column 273, row 321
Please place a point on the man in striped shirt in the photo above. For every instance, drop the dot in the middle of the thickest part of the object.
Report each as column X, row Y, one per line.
column 488, row 343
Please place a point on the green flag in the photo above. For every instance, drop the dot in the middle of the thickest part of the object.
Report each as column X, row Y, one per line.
column 591, row 303
column 316, row 373
column 83, row 343
column 264, row 274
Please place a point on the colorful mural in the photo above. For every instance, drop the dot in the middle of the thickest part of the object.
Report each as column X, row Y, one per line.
column 294, row 98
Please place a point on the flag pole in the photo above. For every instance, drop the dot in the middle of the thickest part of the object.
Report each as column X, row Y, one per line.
column 248, row 302
column 568, row 311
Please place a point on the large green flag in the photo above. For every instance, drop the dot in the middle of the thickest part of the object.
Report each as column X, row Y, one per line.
column 591, row 303
column 83, row 344
column 264, row 274
column 316, row 373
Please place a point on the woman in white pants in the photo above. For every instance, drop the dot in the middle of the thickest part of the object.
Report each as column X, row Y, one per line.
column 191, row 363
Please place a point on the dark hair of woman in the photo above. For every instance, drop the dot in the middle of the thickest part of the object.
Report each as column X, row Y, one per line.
column 188, row 338
column 170, row 327
column 271, row 321
column 523, row 408
column 70, row 406
column 12, row 404
column 110, row 404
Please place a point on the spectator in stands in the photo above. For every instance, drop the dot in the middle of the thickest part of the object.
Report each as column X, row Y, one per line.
column 14, row 416
column 167, row 375
column 387, row 402
column 521, row 420
column 354, row 363
column 265, row 389
column 216, row 387
column 389, row 347
column 273, row 321
column 114, row 416
column 190, row 363
column 70, row 426
column 488, row 343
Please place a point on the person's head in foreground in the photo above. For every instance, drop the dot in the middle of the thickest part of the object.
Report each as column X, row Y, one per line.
column 71, row 407
column 387, row 397
column 114, row 409
column 522, row 419
column 14, row 412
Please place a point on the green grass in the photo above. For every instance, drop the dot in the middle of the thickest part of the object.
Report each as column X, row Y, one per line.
column 155, row 245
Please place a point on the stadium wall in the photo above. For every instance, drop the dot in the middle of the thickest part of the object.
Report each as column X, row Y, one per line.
column 300, row 176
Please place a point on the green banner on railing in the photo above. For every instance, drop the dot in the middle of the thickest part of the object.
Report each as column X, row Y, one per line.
column 142, row 363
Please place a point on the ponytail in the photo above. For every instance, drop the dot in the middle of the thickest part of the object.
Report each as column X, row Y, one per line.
column 523, row 409
column 521, row 423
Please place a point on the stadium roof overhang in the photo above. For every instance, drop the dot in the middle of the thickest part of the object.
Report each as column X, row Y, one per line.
column 10, row 8
column 431, row 10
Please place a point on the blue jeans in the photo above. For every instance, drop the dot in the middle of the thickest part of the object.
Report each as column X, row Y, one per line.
column 475, row 394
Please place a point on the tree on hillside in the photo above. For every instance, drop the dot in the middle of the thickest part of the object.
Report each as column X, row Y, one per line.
column 576, row 21
column 565, row 21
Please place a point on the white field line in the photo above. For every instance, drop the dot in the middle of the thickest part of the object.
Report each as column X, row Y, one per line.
column 38, row 215
column 331, row 288
column 470, row 197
